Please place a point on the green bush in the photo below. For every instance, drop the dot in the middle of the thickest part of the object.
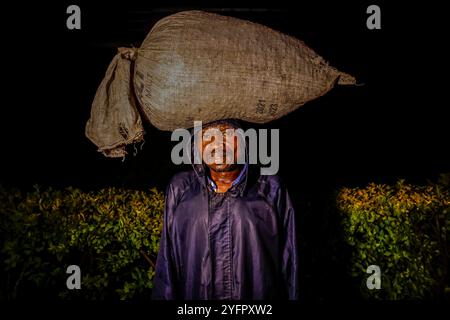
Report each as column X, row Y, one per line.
column 112, row 234
column 405, row 230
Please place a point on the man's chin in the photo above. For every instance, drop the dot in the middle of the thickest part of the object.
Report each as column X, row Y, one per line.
column 223, row 167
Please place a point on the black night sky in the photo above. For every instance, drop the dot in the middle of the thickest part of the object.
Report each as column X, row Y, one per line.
column 392, row 127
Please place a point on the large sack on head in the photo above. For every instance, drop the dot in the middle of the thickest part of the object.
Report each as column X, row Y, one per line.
column 195, row 65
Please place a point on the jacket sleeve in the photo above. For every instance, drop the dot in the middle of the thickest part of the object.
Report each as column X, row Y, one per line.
column 164, row 284
column 290, row 263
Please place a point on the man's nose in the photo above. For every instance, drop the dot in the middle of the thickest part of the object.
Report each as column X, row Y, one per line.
column 219, row 144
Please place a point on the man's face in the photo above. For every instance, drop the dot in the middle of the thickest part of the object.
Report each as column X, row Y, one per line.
column 219, row 147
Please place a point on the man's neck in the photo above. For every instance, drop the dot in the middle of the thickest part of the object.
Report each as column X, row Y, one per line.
column 224, row 180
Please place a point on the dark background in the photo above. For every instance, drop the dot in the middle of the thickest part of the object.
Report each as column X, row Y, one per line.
column 395, row 126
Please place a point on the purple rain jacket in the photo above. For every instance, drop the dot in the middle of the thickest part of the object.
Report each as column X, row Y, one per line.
column 235, row 245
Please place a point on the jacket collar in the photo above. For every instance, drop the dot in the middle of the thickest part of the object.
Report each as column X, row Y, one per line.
column 236, row 181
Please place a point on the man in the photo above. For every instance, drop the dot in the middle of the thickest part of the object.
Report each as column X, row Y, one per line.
column 227, row 234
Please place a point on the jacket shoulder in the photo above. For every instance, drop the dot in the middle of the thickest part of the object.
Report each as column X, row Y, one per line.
column 272, row 187
column 182, row 181
column 273, row 182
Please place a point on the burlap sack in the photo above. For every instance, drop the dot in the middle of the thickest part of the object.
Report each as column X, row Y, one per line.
column 195, row 65
column 115, row 121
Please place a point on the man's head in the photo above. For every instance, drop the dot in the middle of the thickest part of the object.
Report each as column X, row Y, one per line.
column 221, row 146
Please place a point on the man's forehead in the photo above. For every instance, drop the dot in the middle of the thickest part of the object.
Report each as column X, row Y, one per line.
column 219, row 126
column 223, row 131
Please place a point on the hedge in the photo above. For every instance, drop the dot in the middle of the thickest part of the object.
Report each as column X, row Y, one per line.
column 111, row 234
column 403, row 229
